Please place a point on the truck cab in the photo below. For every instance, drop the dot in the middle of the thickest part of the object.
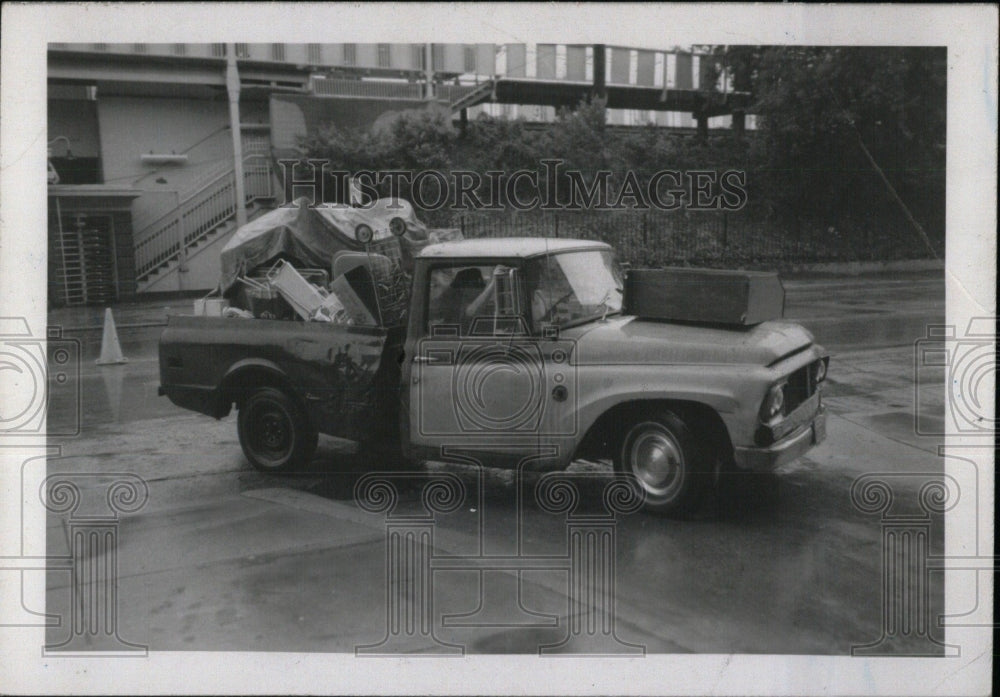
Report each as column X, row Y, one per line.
column 490, row 346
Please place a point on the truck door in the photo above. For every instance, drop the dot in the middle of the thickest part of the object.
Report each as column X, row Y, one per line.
column 477, row 379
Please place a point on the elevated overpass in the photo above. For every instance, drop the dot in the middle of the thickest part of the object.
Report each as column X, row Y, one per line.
column 563, row 93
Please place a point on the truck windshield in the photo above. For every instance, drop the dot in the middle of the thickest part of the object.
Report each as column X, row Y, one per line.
column 573, row 287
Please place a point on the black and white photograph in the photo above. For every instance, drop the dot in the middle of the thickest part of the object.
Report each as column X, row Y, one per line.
column 498, row 348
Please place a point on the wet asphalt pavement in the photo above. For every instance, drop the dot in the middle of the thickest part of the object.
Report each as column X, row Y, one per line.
column 224, row 558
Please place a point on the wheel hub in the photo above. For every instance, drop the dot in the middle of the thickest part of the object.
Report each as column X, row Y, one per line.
column 272, row 431
column 657, row 463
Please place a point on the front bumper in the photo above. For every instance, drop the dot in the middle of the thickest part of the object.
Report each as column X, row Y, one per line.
column 790, row 447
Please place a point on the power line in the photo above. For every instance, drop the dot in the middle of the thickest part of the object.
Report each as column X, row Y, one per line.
column 892, row 190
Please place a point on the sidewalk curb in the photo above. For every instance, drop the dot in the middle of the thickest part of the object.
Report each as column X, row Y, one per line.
column 98, row 328
column 856, row 268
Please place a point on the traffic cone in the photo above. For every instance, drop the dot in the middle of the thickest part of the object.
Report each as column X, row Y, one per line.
column 111, row 350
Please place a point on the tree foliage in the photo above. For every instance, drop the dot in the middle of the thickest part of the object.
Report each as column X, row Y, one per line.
column 817, row 109
column 820, row 107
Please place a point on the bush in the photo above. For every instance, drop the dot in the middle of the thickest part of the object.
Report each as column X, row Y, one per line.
column 812, row 191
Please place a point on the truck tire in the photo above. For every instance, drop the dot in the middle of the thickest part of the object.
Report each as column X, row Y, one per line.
column 661, row 453
column 275, row 432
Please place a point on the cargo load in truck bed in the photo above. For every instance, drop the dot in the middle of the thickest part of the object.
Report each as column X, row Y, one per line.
column 704, row 295
column 310, row 236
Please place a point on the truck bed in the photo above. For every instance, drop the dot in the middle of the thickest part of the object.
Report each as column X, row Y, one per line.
column 340, row 373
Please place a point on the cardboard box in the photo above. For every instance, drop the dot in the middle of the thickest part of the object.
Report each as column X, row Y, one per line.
column 210, row 307
column 704, row 295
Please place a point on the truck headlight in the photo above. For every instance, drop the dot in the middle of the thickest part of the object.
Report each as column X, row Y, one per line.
column 774, row 402
column 821, row 370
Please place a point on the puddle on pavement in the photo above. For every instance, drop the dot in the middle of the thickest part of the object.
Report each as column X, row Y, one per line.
column 842, row 334
column 109, row 394
column 902, row 426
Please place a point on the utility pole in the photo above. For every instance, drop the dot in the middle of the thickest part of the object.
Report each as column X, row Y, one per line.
column 233, row 87
column 599, row 90
column 599, row 87
column 429, row 70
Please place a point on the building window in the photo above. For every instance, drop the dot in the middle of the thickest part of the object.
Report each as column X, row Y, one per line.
column 420, row 56
column 73, row 142
column 218, row 50
column 180, row 49
column 384, row 59
column 315, row 52
column 242, row 50
column 278, row 52
column 470, row 59
column 350, row 54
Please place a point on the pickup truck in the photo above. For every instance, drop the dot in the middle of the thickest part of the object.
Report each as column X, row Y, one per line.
column 513, row 353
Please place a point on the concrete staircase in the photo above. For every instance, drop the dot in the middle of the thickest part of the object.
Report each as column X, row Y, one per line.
column 179, row 251
column 200, row 268
column 466, row 97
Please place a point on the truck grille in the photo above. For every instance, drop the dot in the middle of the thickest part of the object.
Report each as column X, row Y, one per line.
column 801, row 386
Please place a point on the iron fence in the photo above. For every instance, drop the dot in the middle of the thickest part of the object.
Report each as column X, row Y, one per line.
column 705, row 238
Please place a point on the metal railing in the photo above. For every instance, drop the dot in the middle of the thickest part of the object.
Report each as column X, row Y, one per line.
column 721, row 239
column 210, row 204
column 376, row 89
column 459, row 96
column 642, row 67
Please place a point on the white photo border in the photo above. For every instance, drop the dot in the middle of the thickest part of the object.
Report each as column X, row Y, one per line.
column 968, row 32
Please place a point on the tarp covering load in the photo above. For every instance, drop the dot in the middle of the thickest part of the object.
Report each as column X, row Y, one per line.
column 347, row 265
column 310, row 236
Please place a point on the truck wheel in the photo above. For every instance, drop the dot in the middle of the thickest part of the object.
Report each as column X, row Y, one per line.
column 275, row 432
column 661, row 453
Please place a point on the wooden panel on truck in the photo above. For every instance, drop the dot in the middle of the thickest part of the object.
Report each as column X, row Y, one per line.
column 704, row 295
column 517, row 59
column 620, row 61
column 486, row 59
column 576, row 63
column 645, row 72
column 545, row 56
column 683, row 79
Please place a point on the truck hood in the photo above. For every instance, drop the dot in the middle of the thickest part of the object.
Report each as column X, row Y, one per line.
column 631, row 340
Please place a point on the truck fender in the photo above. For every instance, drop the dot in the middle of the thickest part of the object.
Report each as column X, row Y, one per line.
column 251, row 372
column 605, row 423
column 723, row 404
